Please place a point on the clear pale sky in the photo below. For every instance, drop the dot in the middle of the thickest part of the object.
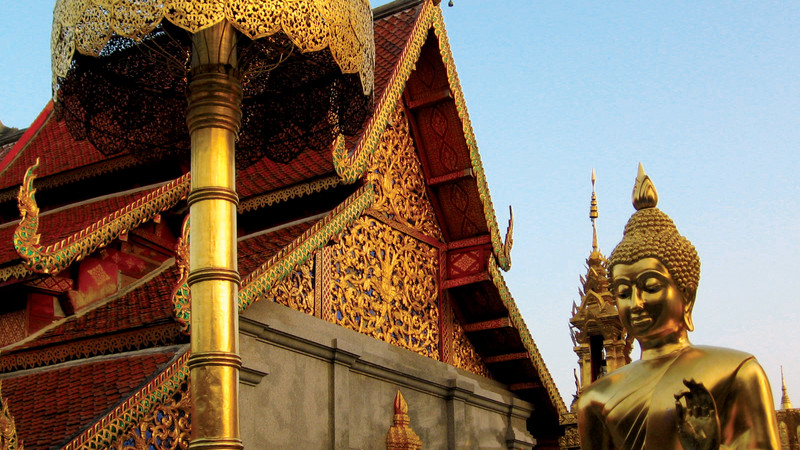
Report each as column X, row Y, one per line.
column 705, row 94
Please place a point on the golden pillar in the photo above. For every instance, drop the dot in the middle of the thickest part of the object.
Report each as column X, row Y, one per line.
column 213, row 117
column 99, row 99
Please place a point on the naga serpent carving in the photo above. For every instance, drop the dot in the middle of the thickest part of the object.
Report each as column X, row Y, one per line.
column 56, row 257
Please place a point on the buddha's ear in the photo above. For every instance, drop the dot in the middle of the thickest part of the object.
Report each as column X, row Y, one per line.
column 688, row 306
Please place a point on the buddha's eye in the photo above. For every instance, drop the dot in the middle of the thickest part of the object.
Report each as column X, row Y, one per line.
column 623, row 291
column 652, row 285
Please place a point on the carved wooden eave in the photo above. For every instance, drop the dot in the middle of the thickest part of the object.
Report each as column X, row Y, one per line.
column 518, row 323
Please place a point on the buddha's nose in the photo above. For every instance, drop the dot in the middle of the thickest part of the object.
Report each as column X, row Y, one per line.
column 638, row 301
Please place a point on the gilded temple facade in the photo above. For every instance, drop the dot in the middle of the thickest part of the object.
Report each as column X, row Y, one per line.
column 373, row 310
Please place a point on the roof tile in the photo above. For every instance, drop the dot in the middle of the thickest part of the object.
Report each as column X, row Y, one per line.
column 58, row 225
column 52, row 407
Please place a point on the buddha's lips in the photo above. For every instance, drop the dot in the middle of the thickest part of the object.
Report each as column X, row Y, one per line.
column 641, row 320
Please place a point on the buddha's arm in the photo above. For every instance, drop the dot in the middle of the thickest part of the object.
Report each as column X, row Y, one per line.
column 748, row 418
column 591, row 427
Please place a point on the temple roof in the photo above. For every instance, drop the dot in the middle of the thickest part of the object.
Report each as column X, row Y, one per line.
column 86, row 391
column 414, row 70
column 62, row 223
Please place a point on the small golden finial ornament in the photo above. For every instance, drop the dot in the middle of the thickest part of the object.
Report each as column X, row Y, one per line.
column 785, row 402
column 644, row 192
column 400, row 435
column 593, row 213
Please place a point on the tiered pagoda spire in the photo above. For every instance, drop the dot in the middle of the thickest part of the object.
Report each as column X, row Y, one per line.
column 597, row 333
column 786, row 403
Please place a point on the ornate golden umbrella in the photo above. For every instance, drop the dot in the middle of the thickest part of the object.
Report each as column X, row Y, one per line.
column 274, row 76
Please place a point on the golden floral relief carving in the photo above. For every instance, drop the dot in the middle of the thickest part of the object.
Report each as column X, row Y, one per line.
column 397, row 175
column 8, row 429
column 383, row 283
column 296, row 290
column 464, row 354
column 168, row 426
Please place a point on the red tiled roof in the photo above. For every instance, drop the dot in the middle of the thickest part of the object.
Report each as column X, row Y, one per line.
column 64, row 223
column 59, row 152
column 256, row 251
column 56, row 149
column 267, row 175
column 149, row 305
column 391, row 34
column 53, row 406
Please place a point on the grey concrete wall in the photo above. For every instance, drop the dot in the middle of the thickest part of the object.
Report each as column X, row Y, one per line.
column 310, row 384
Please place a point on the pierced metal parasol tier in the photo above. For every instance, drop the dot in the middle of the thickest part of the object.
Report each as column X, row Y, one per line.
column 121, row 68
column 233, row 81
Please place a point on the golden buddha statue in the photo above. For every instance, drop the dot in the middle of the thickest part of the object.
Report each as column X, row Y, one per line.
column 677, row 395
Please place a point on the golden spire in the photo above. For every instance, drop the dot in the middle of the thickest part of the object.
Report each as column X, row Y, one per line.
column 644, row 192
column 400, row 435
column 785, row 402
column 593, row 213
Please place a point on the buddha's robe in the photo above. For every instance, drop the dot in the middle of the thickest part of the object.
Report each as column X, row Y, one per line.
column 634, row 406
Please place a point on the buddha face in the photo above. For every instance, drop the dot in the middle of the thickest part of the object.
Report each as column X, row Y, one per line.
column 650, row 304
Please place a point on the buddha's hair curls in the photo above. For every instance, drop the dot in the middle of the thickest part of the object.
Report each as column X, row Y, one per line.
column 651, row 233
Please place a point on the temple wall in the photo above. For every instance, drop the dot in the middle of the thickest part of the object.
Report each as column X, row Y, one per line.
column 307, row 383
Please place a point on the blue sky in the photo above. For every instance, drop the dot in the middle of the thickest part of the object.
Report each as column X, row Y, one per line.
column 705, row 94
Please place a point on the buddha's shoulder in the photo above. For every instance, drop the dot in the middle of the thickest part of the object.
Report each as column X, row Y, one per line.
column 713, row 356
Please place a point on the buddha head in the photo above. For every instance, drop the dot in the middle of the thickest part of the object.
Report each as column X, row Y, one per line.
column 654, row 271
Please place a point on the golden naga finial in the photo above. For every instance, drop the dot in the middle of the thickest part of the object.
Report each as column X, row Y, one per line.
column 400, row 435
column 509, row 240
column 8, row 429
column 181, row 296
column 644, row 192
column 26, row 200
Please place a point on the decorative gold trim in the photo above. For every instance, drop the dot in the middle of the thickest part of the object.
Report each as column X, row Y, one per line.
column 319, row 286
column 282, row 195
column 181, row 295
column 168, row 424
column 16, row 271
column 261, row 280
column 527, row 339
column 8, row 429
column 120, row 342
column 351, row 166
column 285, row 262
column 343, row 26
column 158, row 391
column 62, row 254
